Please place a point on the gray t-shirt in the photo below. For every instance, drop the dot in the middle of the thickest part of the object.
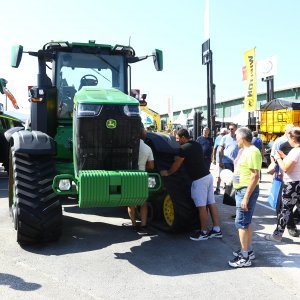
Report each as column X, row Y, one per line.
column 231, row 148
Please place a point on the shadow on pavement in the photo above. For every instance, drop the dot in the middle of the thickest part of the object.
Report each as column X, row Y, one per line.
column 82, row 236
column 17, row 283
column 115, row 212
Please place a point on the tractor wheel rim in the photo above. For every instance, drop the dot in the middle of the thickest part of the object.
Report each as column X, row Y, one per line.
column 168, row 210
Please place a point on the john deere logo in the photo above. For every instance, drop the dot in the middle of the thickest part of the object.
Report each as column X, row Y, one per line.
column 111, row 124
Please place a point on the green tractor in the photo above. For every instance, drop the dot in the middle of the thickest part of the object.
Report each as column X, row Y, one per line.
column 83, row 138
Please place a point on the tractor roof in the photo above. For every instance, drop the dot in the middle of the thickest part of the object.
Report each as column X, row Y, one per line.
column 60, row 45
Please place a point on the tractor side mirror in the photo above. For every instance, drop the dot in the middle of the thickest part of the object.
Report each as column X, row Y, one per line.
column 143, row 101
column 158, row 59
column 16, row 55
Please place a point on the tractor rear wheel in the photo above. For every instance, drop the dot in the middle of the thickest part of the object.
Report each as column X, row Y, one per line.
column 179, row 211
column 35, row 208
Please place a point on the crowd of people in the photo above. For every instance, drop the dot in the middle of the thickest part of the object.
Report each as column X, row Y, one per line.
column 241, row 151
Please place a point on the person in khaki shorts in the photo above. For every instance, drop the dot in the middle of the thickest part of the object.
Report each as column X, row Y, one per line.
column 145, row 162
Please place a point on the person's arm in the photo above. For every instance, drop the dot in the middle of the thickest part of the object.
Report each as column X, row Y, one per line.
column 273, row 151
column 262, row 150
column 214, row 152
column 287, row 165
column 250, row 188
column 150, row 160
column 150, row 165
column 221, row 150
column 174, row 168
column 211, row 149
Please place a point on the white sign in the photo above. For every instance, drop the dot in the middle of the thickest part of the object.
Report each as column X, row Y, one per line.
column 267, row 67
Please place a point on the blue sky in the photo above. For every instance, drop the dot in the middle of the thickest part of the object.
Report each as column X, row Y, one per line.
column 174, row 26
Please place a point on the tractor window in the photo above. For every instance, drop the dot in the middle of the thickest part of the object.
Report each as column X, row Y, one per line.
column 76, row 70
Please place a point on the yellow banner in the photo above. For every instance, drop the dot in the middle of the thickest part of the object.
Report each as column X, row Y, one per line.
column 251, row 96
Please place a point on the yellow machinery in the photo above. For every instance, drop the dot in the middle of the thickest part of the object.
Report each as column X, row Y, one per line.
column 154, row 115
column 275, row 115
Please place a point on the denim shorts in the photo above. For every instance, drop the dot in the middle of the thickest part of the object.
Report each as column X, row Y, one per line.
column 243, row 218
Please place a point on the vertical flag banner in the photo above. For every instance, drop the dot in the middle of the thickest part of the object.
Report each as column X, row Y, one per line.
column 170, row 110
column 251, row 96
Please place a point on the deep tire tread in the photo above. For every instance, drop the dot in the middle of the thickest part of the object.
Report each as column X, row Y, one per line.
column 39, row 213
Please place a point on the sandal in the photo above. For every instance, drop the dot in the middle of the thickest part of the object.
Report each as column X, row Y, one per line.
column 273, row 238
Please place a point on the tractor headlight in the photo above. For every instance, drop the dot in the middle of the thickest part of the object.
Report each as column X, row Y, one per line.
column 64, row 184
column 88, row 110
column 151, row 182
column 131, row 110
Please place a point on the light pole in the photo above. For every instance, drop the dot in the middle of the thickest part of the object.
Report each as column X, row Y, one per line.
column 207, row 59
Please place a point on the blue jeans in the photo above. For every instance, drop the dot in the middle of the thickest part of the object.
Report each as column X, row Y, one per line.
column 243, row 218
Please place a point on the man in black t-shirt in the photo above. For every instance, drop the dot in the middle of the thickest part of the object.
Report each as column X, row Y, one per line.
column 202, row 191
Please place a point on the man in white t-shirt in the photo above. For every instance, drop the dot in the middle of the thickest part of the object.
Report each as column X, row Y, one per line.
column 145, row 162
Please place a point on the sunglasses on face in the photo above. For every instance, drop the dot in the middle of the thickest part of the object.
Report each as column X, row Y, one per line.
column 231, row 129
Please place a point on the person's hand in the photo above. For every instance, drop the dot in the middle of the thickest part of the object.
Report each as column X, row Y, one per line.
column 221, row 165
column 281, row 154
column 244, row 205
column 164, row 173
column 214, row 161
column 277, row 155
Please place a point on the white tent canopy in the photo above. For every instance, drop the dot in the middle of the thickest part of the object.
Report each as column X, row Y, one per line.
column 181, row 119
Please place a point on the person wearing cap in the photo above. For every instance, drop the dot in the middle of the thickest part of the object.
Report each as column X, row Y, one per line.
column 207, row 146
column 215, row 156
column 202, row 189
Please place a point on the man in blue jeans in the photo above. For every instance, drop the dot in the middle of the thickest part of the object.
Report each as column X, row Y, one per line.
column 245, row 181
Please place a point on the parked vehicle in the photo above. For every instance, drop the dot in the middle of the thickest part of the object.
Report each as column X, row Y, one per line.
column 84, row 137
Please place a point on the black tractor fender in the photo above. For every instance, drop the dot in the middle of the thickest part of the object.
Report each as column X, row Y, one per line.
column 31, row 142
column 164, row 148
column 8, row 133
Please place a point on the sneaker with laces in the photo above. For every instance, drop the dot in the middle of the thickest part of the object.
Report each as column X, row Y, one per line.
column 217, row 192
column 239, row 252
column 144, row 231
column 215, row 234
column 273, row 238
column 293, row 232
column 199, row 236
column 240, row 262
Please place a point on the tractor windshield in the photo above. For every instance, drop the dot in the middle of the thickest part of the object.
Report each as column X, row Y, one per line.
column 75, row 70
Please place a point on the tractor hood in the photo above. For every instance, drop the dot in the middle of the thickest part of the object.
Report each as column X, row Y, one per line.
column 96, row 95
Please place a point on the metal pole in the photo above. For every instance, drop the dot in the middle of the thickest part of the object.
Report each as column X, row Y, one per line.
column 271, row 88
column 212, row 100
column 208, row 96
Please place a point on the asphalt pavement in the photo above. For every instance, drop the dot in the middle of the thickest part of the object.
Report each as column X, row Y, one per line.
column 98, row 258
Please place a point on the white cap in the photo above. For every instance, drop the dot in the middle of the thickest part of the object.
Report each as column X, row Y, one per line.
column 223, row 130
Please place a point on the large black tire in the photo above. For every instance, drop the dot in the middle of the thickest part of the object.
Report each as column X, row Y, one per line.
column 35, row 208
column 179, row 211
column 173, row 204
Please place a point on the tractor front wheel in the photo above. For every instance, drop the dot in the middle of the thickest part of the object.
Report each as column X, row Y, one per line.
column 34, row 207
